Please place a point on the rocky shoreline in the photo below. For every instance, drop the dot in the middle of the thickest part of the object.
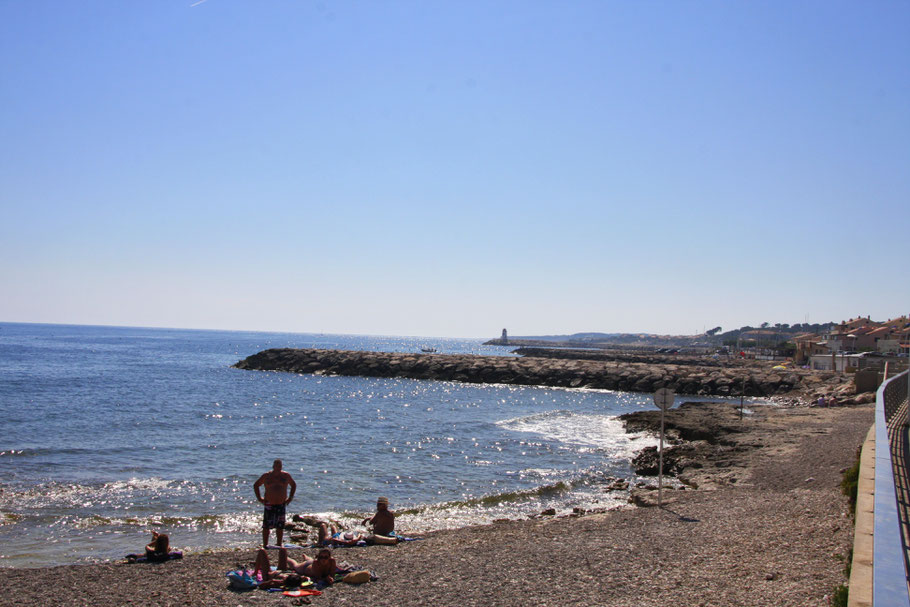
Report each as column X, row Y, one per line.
column 767, row 526
column 755, row 378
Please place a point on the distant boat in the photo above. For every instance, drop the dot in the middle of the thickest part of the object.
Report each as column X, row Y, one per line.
column 428, row 350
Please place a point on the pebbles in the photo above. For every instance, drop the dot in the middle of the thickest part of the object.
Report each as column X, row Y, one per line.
column 773, row 540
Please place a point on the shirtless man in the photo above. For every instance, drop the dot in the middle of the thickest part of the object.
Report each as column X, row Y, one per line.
column 383, row 521
column 276, row 498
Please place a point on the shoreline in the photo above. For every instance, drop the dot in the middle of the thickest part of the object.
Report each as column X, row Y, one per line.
column 763, row 528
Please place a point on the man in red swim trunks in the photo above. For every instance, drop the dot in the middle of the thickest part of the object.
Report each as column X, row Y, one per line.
column 276, row 498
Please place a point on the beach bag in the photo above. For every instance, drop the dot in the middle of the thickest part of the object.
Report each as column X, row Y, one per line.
column 242, row 580
column 356, row 577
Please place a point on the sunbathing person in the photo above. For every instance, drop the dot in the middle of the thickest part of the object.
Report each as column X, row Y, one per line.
column 322, row 568
column 159, row 548
column 354, row 538
column 284, row 575
column 157, row 551
column 383, row 523
column 326, row 533
column 347, row 538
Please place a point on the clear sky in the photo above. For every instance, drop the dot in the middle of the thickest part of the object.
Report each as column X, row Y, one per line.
column 453, row 168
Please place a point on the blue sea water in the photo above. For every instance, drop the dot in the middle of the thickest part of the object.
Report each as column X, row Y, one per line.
column 108, row 432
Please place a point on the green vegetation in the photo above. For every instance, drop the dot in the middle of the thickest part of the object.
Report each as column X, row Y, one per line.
column 850, row 483
column 787, row 348
column 839, row 598
column 765, row 335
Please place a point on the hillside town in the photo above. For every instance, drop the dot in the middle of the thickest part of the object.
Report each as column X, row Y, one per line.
column 855, row 344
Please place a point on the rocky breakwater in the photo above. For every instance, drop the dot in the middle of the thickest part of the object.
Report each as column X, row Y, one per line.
column 634, row 356
column 615, row 375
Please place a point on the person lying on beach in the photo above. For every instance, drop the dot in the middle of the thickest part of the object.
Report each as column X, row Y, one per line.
column 281, row 579
column 326, row 533
column 159, row 548
column 321, row 569
column 284, row 576
column 351, row 538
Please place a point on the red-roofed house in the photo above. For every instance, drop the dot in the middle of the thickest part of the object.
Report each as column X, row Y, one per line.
column 808, row 344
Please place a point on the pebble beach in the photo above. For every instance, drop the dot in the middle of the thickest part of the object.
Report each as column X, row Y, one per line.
column 767, row 525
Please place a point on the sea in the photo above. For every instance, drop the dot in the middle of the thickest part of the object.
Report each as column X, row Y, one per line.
column 108, row 433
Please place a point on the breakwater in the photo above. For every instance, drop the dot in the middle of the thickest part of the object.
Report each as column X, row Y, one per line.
column 532, row 371
column 633, row 356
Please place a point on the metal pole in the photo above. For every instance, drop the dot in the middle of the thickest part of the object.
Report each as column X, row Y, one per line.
column 742, row 395
column 660, row 468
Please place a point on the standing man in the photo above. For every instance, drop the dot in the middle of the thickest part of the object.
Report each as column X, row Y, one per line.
column 276, row 484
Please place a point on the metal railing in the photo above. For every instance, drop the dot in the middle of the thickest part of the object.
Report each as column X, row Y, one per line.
column 892, row 496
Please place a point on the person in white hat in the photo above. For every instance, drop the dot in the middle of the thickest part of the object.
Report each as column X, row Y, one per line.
column 383, row 522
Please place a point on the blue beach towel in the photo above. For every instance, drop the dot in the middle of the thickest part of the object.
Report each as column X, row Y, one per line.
column 242, row 579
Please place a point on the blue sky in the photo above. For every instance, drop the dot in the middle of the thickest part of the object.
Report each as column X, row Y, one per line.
column 453, row 168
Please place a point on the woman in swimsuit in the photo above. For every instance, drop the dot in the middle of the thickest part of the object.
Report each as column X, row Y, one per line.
column 159, row 548
column 322, row 568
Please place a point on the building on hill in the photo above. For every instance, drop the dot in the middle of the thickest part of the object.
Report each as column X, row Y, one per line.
column 862, row 339
column 848, row 336
column 894, row 336
column 808, row 345
column 885, row 339
column 854, row 323
column 866, row 335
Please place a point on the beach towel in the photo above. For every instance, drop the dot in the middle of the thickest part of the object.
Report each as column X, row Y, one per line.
column 302, row 592
column 242, row 579
column 288, row 546
column 348, row 538
column 305, row 582
column 141, row 558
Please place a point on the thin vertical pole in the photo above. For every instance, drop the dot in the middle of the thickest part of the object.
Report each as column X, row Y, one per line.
column 660, row 469
column 742, row 396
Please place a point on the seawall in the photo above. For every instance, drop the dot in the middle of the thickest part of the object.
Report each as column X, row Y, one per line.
column 610, row 375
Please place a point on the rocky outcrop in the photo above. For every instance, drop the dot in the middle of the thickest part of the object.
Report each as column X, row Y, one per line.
column 570, row 373
column 695, row 433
